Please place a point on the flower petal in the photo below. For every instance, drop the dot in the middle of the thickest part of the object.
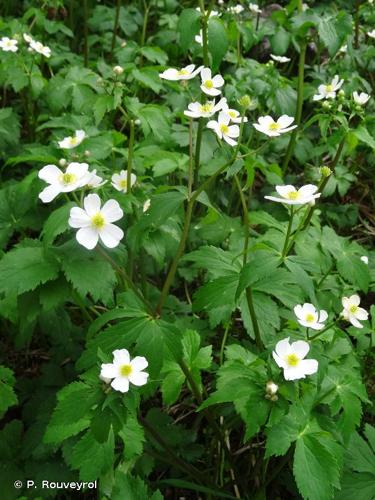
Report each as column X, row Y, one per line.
column 120, row 384
column 309, row 366
column 138, row 378
column 139, row 363
column 49, row 193
column 121, row 357
column 112, row 211
column 300, row 348
column 283, row 347
column 111, row 235
column 87, row 237
column 78, row 218
column 50, row 174
column 285, row 120
column 108, row 370
column 205, row 74
column 323, row 315
column 92, row 204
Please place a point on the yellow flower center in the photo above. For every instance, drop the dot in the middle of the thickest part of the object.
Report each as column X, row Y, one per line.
column 68, row 178
column 310, row 318
column 206, row 108
column 293, row 195
column 232, row 114
column 208, row 84
column 123, row 183
column 98, row 220
column 329, row 88
column 292, row 360
column 274, row 126
column 182, row 72
column 224, row 128
column 353, row 309
column 126, row 370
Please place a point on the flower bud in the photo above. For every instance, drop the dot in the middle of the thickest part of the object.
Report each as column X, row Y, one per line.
column 271, row 388
column 123, row 44
column 137, row 121
column 325, row 171
column 62, row 162
column 87, row 153
column 245, row 101
column 326, row 105
column 118, row 70
column 341, row 92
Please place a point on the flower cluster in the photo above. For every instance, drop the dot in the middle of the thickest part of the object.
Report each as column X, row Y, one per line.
column 35, row 46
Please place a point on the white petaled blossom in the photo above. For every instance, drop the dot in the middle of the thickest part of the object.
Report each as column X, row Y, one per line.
column 329, row 90
column 27, row 38
column 72, row 141
column 361, row 98
column 75, row 176
column 343, row 49
column 8, row 44
column 290, row 357
column 364, row 259
column 268, row 126
column 94, row 222
column 308, row 316
column 211, row 85
column 118, row 70
column 186, row 73
column 124, row 371
column 209, row 108
column 95, row 181
column 40, row 48
column 235, row 116
column 352, row 312
column 223, row 129
column 271, row 388
column 213, row 13
column 292, row 196
column 120, row 181
column 371, row 34
column 254, row 8
column 280, row 59
column 236, row 9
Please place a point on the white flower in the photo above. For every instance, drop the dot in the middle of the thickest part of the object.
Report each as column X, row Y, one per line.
column 361, row 98
column 235, row 116
column 308, row 316
column 27, row 38
column 290, row 357
column 291, row 196
column 254, row 8
column 352, row 312
column 209, row 108
column 223, row 129
column 271, row 388
column 8, row 44
column 95, row 181
column 210, row 86
column 364, row 259
column 237, row 9
column 146, row 205
column 329, row 91
column 186, row 73
column 268, row 126
column 343, row 49
column 124, row 370
column 120, row 181
column 72, row 141
column 213, row 13
column 40, row 48
column 95, row 222
column 199, row 38
column 75, row 177
column 118, row 70
column 280, row 59
column 371, row 34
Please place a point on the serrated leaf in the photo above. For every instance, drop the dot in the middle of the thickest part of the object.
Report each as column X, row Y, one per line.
column 57, row 223
column 188, row 27
column 217, row 41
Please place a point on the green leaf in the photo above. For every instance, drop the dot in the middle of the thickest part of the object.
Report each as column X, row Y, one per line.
column 364, row 136
column 188, row 27
column 217, row 41
column 315, row 468
column 218, row 262
column 92, row 458
column 328, row 34
column 261, row 264
column 57, row 223
column 149, row 78
column 23, row 269
column 352, row 269
column 133, row 437
column 72, row 413
column 7, row 395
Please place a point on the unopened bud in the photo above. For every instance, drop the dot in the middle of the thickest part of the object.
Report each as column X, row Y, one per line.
column 87, row 153
column 271, row 388
column 326, row 105
column 123, row 44
column 137, row 121
column 325, row 171
column 245, row 101
column 118, row 70
column 341, row 92
column 62, row 162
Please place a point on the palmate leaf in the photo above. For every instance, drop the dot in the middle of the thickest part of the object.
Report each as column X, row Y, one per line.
column 7, row 395
column 315, row 467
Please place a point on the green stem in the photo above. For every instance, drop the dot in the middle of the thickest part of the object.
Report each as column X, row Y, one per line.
column 323, row 330
column 191, row 168
column 253, row 316
column 204, row 33
column 298, row 116
column 356, row 30
column 223, row 342
column 145, row 21
column 288, row 231
column 130, row 158
column 85, row 33
column 115, row 26
column 198, row 150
